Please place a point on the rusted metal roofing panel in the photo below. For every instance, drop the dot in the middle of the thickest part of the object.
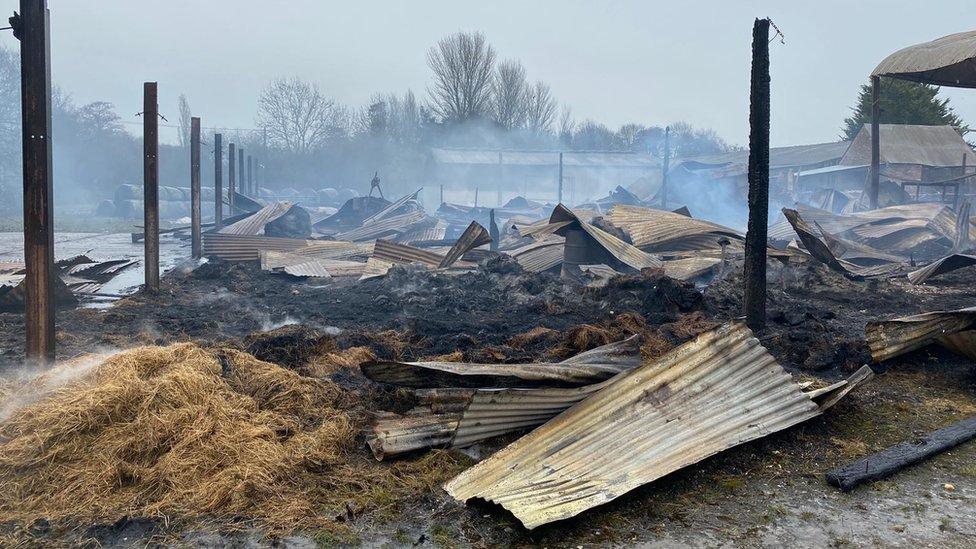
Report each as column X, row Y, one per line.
column 254, row 224
column 392, row 252
column 941, row 215
column 819, row 249
column 713, row 393
column 688, row 268
column 325, row 268
column 890, row 338
column 946, row 61
column 233, row 247
column 658, row 230
column 589, row 367
column 625, row 253
column 945, row 265
column 424, row 234
column 936, row 146
column 472, row 237
column 375, row 267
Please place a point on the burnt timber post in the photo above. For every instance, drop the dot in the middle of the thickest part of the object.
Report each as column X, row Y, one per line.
column 665, row 167
column 492, row 230
column 442, row 194
column 501, row 178
column 560, row 201
column 150, row 190
column 33, row 30
column 240, row 171
column 754, row 299
column 218, row 179
column 231, row 186
column 257, row 181
column 250, row 180
column 875, row 141
column 476, row 197
column 196, row 250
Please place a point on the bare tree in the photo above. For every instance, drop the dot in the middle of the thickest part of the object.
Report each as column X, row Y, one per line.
column 297, row 117
column 542, row 108
column 462, row 64
column 185, row 115
column 511, row 95
column 566, row 125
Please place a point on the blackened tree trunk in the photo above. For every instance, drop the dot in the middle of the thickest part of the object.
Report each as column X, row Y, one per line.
column 754, row 300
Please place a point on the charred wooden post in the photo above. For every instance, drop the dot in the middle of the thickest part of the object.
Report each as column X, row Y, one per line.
column 665, row 167
column 492, row 230
column 754, row 299
column 241, row 183
column 150, row 176
column 250, row 179
column 218, row 179
column 33, row 30
column 257, row 180
column 875, row 141
column 501, row 177
column 476, row 197
column 196, row 251
column 231, row 179
column 442, row 194
column 560, row 201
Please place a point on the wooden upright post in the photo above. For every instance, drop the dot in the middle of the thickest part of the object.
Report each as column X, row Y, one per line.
column 231, row 179
column 257, row 180
column 150, row 176
column 501, row 177
column 492, row 230
column 754, row 299
column 196, row 251
column 476, row 197
column 218, row 179
column 240, row 172
column 665, row 167
column 442, row 194
column 250, row 180
column 875, row 141
column 560, row 178
column 33, row 30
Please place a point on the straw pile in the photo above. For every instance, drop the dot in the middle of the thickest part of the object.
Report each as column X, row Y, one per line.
column 181, row 432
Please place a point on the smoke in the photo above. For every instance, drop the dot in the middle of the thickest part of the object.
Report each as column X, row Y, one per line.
column 26, row 385
column 265, row 320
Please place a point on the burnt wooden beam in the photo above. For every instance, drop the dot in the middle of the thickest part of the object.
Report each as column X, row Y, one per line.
column 560, row 197
column 754, row 298
column 219, row 179
column 150, row 190
column 33, row 30
column 875, row 142
column 241, row 183
column 250, row 179
column 891, row 460
column 196, row 250
column 231, row 181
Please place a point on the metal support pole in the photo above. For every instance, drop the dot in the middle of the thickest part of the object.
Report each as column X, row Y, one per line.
column 150, row 176
column 241, row 184
column 665, row 167
column 476, row 197
column 250, row 180
column 560, row 199
column 442, row 194
column 35, row 88
column 257, row 179
column 218, row 179
column 875, row 141
column 501, row 177
column 754, row 299
column 195, row 249
column 231, row 179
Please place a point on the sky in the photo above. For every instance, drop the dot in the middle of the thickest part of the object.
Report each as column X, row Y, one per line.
column 614, row 62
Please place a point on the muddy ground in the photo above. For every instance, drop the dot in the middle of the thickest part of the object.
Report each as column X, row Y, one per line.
column 769, row 492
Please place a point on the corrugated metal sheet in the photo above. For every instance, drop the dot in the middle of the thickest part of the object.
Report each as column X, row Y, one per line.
column 254, row 224
column 375, row 267
column 890, row 338
column 937, row 146
column 424, row 234
column 472, row 237
column 392, row 252
column 942, row 218
column 716, row 392
column 573, row 159
column 945, row 265
column 946, row 61
column 625, row 253
column 385, row 212
column 540, row 256
column 589, row 367
column 658, row 230
column 394, row 225
column 316, row 249
column 737, row 162
column 234, row 247
column 325, row 268
column 688, row 268
column 819, row 249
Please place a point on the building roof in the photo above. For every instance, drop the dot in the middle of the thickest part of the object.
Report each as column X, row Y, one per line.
column 578, row 159
column 936, row 146
column 947, row 61
column 796, row 156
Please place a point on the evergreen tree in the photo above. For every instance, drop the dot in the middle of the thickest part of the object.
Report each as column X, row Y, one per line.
column 903, row 102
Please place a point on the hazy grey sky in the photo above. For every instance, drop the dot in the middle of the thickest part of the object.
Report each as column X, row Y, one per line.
column 615, row 62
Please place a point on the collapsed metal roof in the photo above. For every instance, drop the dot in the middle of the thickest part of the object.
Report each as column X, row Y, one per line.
column 573, row 159
column 737, row 162
column 936, row 146
column 946, row 61
column 718, row 391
